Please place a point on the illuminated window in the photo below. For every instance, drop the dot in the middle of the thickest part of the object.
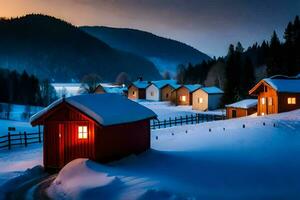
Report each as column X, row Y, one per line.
column 183, row 98
column 270, row 101
column 262, row 114
column 201, row 100
column 263, row 101
column 292, row 100
column 82, row 132
column 152, row 93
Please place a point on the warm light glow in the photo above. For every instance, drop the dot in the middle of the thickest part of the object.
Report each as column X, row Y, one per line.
column 82, row 132
column 263, row 100
column 292, row 100
column 183, row 98
column 270, row 101
column 200, row 100
column 262, row 114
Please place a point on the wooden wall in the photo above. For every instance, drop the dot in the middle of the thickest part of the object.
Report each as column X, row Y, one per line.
column 166, row 93
column 138, row 93
column 197, row 105
column 182, row 91
column 115, row 142
column 240, row 112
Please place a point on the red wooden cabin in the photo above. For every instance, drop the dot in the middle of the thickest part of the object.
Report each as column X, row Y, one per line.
column 101, row 127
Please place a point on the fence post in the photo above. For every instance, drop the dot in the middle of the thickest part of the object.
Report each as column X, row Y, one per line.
column 9, row 142
column 25, row 138
column 192, row 117
column 158, row 124
column 186, row 120
column 20, row 136
column 181, row 120
column 170, row 121
column 40, row 140
column 165, row 123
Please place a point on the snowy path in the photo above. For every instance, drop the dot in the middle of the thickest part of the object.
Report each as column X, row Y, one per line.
column 201, row 161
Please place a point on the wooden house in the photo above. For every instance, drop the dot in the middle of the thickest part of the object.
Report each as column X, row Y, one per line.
column 241, row 109
column 101, row 127
column 183, row 95
column 166, row 91
column 207, row 98
column 277, row 94
column 154, row 90
column 137, row 89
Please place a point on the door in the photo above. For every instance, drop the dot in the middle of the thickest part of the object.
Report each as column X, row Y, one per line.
column 233, row 113
column 61, row 151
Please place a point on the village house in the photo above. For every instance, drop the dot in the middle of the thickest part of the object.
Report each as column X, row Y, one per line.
column 137, row 89
column 277, row 94
column 241, row 108
column 109, row 88
column 154, row 90
column 166, row 91
column 183, row 95
column 207, row 98
column 101, row 127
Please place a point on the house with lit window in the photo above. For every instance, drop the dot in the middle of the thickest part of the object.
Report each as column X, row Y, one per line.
column 110, row 88
column 154, row 90
column 207, row 98
column 100, row 127
column 166, row 91
column 277, row 94
column 183, row 95
column 241, row 108
column 137, row 89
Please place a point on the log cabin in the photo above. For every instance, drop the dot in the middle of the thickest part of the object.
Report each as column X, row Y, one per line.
column 241, row 108
column 100, row 127
column 183, row 95
column 277, row 94
column 154, row 90
column 137, row 89
column 207, row 98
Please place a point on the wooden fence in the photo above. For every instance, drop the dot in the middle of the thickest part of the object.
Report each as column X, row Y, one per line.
column 183, row 120
column 20, row 139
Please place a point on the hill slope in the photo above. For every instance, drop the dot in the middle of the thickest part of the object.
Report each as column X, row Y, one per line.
column 52, row 48
column 165, row 53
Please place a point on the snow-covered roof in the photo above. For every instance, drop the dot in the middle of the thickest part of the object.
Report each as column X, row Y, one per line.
column 115, row 90
column 161, row 83
column 193, row 87
column 106, row 109
column 291, row 85
column 141, row 84
column 246, row 103
column 175, row 85
column 212, row 90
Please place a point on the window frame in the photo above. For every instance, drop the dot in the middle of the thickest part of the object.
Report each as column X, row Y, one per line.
column 82, row 132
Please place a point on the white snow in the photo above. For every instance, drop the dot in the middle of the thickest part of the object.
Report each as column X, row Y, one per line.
column 106, row 109
column 203, row 161
column 284, row 85
column 14, row 162
column 212, row 90
column 161, row 83
column 141, row 84
column 20, row 127
column 246, row 103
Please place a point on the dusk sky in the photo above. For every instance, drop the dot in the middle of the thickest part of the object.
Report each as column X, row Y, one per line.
column 209, row 26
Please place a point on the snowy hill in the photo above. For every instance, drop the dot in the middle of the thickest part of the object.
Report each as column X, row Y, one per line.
column 215, row 160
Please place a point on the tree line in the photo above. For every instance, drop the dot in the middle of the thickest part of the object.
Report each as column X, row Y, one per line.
column 241, row 66
column 22, row 88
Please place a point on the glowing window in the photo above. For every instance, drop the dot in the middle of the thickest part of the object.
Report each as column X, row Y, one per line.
column 263, row 100
column 82, row 132
column 262, row 114
column 292, row 100
column 183, row 98
column 270, row 101
column 200, row 100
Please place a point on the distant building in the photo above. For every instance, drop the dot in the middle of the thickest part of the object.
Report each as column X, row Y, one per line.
column 207, row 98
column 277, row 94
column 166, row 91
column 101, row 127
column 109, row 88
column 183, row 95
column 154, row 90
column 137, row 89
column 241, row 108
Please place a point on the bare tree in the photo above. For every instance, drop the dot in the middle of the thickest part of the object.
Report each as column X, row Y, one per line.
column 123, row 78
column 89, row 83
